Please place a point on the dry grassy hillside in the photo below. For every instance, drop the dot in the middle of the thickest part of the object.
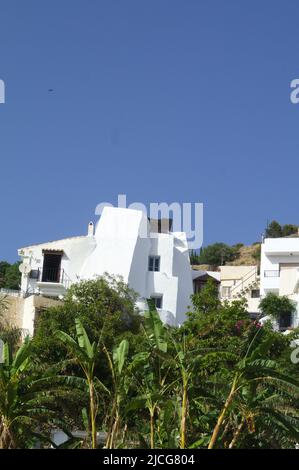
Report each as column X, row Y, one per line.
column 246, row 255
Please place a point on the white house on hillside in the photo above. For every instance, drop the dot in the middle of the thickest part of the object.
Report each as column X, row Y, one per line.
column 280, row 272
column 153, row 260
column 241, row 282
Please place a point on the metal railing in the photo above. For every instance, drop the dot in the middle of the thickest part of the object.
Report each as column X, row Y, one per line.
column 54, row 275
column 49, row 274
column 251, row 276
column 271, row 273
column 11, row 292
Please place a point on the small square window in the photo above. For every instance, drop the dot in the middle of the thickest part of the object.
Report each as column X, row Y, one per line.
column 34, row 274
column 226, row 292
column 255, row 293
column 157, row 299
column 154, row 263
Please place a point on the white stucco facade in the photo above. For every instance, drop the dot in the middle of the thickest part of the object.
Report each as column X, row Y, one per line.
column 241, row 282
column 121, row 246
column 280, row 269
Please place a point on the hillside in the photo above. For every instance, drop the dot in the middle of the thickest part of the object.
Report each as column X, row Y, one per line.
column 247, row 256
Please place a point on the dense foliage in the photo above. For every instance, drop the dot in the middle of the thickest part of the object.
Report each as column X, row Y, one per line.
column 217, row 254
column 219, row 381
column 275, row 230
column 10, row 276
column 277, row 306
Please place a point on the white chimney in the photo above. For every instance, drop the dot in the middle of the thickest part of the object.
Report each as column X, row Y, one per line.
column 90, row 232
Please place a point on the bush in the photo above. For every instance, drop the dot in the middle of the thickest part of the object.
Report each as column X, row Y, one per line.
column 277, row 307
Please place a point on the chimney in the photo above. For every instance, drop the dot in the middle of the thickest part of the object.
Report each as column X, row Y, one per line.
column 90, row 232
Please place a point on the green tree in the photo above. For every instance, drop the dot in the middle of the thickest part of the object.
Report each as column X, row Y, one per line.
column 218, row 254
column 289, row 229
column 28, row 399
column 10, row 276
column 106, row 308
column 85, row 355
column 194, row 257
column 253, row 373
column 277, row 307
column 274, row 230
column 150, row 369
column 117, row 363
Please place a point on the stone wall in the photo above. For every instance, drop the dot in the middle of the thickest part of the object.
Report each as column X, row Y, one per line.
column 21, row 312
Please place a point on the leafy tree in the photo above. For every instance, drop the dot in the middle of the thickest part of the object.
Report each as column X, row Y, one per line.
column 273, row 230
column 218, row 254
column 220, row 380
column 150, row 369
column 3, row 267
column 254, row 374
column 10, row 276
column 206, row 300
column 106, row 308
column 277, row 306
column 85, row 355
column 28, row 399
column 194, row 257
column 289, row 229
column 117, row 363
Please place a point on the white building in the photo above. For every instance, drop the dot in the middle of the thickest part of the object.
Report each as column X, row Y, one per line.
column 280, row 271
column 241, row 282
column 153, row 260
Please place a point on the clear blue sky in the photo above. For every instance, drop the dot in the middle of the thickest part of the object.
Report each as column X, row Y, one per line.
column 162, row 100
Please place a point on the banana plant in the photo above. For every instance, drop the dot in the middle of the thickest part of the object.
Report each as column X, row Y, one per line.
column 120, row 387
column 86, row 354
column 25, row 401
column 253, row 372
column 150, row 370
column 11, row 409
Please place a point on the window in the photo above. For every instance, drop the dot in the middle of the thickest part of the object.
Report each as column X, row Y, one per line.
column 51, row 267
column 34, row 274
column 271, row 273
column 154, row 263
column 226, row 292
column 255, row 293
column 285, row 321
column 157, row 299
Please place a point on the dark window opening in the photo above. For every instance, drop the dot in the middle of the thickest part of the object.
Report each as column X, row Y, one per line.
column 157, row 300
column 255, row 293
column 154, row 263
column 285, row 321
column 34, row 274
column 51, row 267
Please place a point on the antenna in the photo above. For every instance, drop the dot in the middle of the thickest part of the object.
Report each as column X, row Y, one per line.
column 25, row 268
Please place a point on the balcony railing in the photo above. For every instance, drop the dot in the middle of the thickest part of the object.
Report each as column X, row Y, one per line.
column 271, row 273
column 54, row 275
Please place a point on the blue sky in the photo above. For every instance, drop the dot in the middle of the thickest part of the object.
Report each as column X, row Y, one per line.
column 161, row 100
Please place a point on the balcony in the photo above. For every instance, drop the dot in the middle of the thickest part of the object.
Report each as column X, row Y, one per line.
column 271, row 273
column 52, row 281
